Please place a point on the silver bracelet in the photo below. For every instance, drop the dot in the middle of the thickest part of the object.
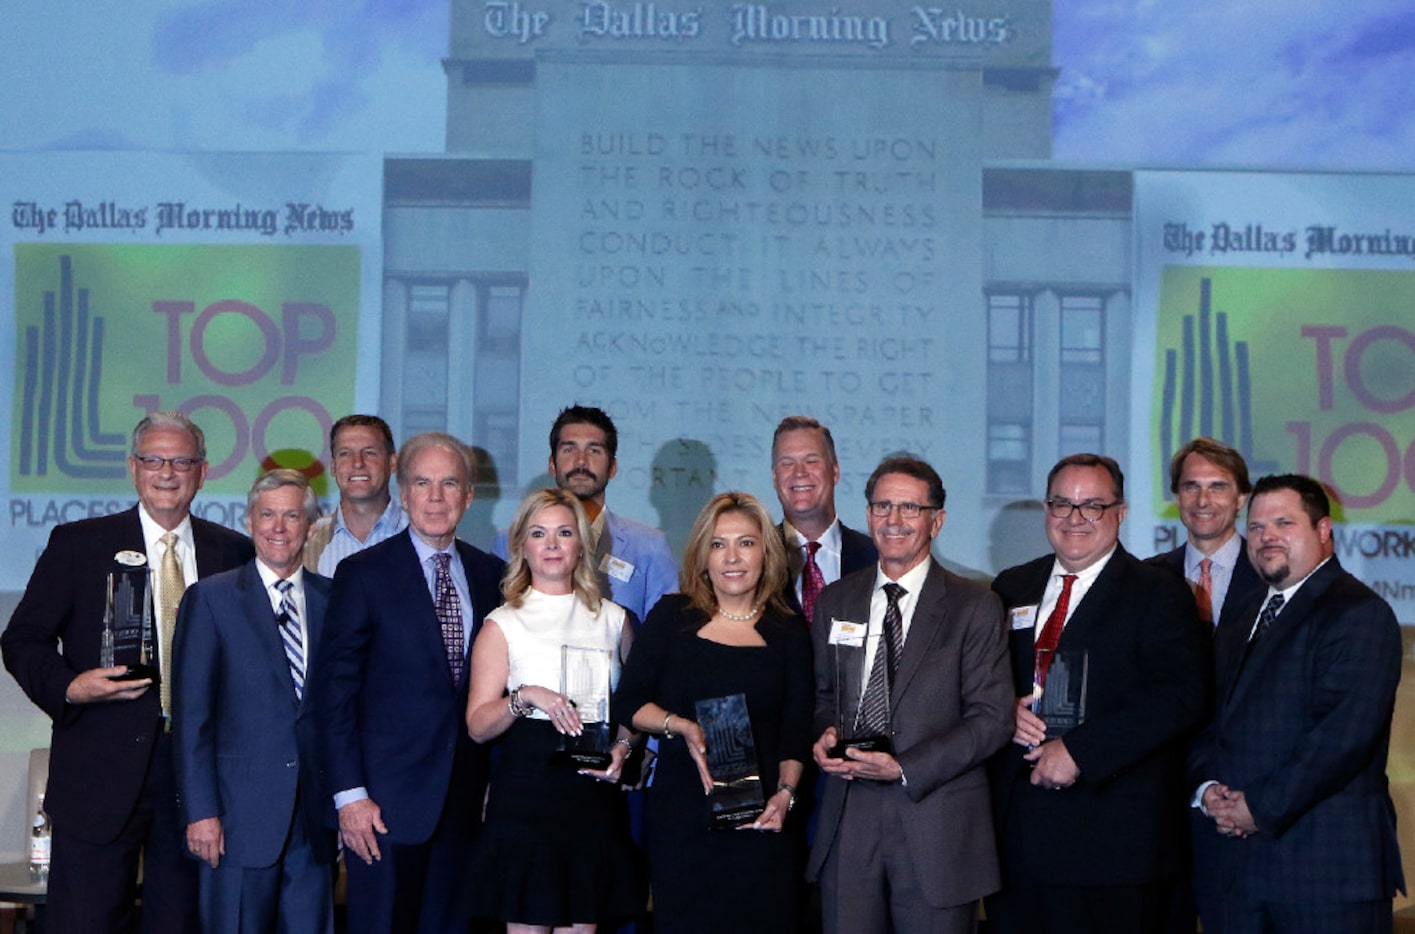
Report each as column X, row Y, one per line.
column 667, row 733
column 517, row 707
column 626, row 742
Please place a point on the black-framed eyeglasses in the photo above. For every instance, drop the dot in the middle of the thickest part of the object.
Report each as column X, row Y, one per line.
column 1090, row 511
column 881, row 508
column 152, row 463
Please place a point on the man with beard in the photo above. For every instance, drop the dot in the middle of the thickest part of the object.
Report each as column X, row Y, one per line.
column 1292, row 771
column 632, row 560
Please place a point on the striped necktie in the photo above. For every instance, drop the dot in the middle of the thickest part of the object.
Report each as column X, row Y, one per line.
column 289, row 620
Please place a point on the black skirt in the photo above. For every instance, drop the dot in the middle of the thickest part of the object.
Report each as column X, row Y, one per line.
column 555, row 849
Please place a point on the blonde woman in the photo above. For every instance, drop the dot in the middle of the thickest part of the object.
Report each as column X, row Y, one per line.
column 555, row 853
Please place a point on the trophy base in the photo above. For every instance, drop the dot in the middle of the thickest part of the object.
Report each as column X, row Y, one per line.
column 879, row 743
column 581, row 759
column 137, row 673
column 734, row 816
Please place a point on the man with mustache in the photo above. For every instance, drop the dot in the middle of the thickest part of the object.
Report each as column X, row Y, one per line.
column 1292, row 771
column 362, row 458
column 632, row 560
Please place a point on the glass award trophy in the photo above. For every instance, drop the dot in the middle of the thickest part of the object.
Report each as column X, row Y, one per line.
column 585, row 676
column 851, row 679
column 736, row 796
column 128, row 634
column 1062, row 703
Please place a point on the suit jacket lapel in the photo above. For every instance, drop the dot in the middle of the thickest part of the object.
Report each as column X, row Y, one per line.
column 1294, row 613
column 1095, row 604
column 316, row 599
column 255, row 608
column 924, row 629
column 419, row 611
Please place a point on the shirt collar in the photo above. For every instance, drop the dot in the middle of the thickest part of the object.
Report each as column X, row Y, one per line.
column 912, row 580
column 388, row 519
column 829, row 540
column 1086, row 575
column 269, row 578
column 1225, row 557
column 152, row 530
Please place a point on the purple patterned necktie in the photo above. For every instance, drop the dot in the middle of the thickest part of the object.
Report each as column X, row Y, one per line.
column 449, row 614
column 812, row 581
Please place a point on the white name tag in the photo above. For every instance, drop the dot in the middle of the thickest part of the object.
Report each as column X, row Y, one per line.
column 844, row 632
column 1023, row 617
column 618, row 568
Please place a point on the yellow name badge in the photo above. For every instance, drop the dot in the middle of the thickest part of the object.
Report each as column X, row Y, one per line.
column 845, row 632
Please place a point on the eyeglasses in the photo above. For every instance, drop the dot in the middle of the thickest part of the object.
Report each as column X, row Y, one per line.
column 881, row 508
column 1091, row 512
column 152, row 463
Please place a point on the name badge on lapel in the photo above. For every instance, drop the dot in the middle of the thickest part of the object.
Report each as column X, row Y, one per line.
column 845, row 632
column 1022, row 617
column 618, row 568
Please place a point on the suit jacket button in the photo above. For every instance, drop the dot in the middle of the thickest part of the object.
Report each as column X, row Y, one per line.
column 290, row 764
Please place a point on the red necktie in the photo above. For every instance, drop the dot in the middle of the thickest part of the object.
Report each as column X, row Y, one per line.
column 1204, row 593
column 1051, row 631
column 812, row 581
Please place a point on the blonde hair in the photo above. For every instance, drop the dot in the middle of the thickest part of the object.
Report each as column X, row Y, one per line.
column 517, row 579
column 694, row 579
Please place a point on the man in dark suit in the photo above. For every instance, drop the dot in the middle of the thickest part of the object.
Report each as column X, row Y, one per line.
column 245, row 750
column 111, row 792
column 1292, row 771
column 1210, row 484
column 1088, row 823
column 905, row 839
column 390, row 692
column 820, row 549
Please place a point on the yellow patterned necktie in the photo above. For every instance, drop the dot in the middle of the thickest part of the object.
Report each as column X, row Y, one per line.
column 170, row 585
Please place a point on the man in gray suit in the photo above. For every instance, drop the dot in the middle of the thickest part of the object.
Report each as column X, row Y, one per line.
column 905, row 839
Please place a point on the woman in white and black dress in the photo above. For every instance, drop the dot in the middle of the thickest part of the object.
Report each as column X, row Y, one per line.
column 555, row 853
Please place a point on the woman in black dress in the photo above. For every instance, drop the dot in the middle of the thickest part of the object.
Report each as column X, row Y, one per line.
column 729, row 632
column 555, row 853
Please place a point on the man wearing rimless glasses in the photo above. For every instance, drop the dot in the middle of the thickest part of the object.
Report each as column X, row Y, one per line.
column 1090, row 822
column 112, row 793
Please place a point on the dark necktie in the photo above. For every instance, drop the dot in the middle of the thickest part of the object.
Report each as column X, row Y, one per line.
column 874, row 706
column 1050, row 635
column 812, row 581
column 449, row 614
column 294, row 643
column 1204, row 593
column 1265, row 618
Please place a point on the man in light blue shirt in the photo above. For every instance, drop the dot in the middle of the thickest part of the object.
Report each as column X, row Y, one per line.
column 362, row 458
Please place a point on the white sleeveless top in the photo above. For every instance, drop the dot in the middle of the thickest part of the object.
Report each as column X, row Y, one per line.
column 535, row 633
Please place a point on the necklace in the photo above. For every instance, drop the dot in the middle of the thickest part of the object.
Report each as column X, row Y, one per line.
column 740, row 617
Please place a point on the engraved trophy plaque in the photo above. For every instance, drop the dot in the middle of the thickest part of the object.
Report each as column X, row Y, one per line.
column 851, row 679
column 585, row 678
column 1062, row 701
column 128, row 635
column 736, row 796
